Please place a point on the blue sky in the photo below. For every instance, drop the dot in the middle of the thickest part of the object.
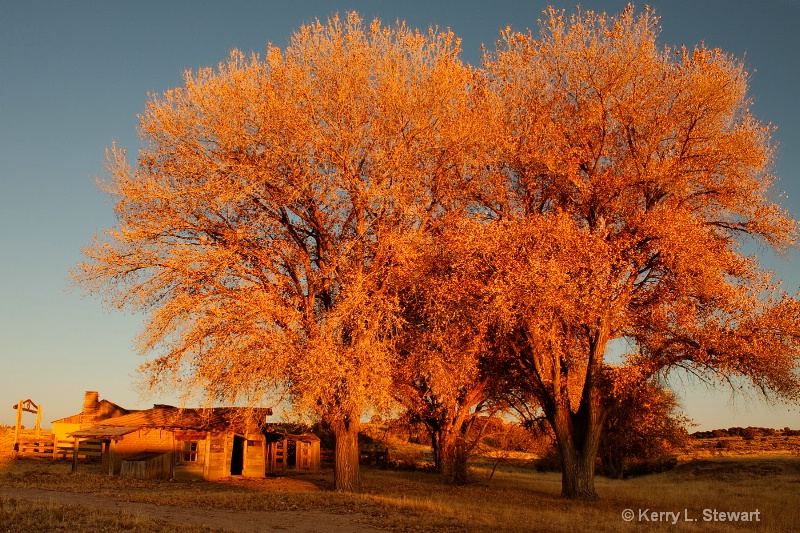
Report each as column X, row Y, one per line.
column 74, row 76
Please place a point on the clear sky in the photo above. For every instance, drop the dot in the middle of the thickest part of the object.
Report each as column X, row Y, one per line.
column 74, row 76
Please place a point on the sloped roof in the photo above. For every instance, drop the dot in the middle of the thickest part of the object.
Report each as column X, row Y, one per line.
column 189, row 418
column 102, row 432
column 105, row 409
column 73, row 419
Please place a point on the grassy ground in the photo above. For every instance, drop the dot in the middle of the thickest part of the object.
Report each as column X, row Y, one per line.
column 515, row 499
column 20, row 515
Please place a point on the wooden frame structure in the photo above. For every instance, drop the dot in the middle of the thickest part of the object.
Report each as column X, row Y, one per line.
column 306, row 451
column 108, row 436
column 30, row 407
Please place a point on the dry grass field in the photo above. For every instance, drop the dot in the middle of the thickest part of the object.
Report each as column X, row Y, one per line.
column 41, row 495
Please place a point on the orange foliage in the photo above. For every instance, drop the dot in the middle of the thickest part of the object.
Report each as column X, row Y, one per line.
column 626, row 178
column 644, row 424
column 444, row 368
column 269, row 206
column 590, row 185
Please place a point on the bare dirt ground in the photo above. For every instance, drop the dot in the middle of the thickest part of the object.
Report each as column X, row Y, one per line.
column 311, row 521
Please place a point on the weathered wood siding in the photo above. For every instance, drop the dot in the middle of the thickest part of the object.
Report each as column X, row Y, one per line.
column 147, row 465
column 218, row 457
column 61, row 430
column 150, row 440
column 254, row 456
column 307, row 455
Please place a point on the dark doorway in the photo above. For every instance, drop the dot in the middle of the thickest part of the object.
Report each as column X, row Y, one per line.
column 291, row 453
column 237, row 456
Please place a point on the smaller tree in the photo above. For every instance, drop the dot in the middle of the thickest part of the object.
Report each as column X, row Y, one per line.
column 498, row 441
column 645, row 424
column 443, row 378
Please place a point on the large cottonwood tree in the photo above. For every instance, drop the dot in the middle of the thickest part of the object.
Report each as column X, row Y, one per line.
column 627, row 177
column 271, row 199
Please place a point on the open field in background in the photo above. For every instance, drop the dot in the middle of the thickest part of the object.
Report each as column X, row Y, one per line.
column 516, row 499
column 739, row 447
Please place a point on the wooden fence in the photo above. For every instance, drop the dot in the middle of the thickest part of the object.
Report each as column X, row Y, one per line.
column 57, row 449
column 33, row 447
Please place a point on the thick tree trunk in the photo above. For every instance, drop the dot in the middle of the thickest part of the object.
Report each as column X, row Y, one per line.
column 578, row 442
column 346, row 477
column 451, row 457
column 578, row 437
column 577, row 477
column 578, row 432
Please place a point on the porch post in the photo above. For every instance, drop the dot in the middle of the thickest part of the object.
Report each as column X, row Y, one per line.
column 74, row 454
column 112, row 446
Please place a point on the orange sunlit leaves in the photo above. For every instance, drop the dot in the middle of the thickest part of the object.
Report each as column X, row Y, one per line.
column 628, row 175
column 360, row 217
column 269, row 205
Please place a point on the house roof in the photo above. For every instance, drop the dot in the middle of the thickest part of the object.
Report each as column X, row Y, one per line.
column 102, row 432
column 73, row 419
column 189, row 418
column 105, row 409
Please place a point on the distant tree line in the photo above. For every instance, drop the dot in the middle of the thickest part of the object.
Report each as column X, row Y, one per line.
column 749, row 432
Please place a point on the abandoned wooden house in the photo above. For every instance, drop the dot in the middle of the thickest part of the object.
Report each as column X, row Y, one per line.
column 202, row 443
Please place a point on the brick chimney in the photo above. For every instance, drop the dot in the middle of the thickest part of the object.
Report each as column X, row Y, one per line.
column 91, row 404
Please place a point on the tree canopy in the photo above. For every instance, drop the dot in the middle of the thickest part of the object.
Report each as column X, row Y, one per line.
column 271, row 200
column 627, row 178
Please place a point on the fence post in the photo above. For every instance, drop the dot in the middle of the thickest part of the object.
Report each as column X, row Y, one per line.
column 38, row 420
column 18, row 426
column 74, row 454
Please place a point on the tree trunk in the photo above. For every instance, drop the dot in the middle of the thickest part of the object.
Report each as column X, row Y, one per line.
column 578, row 432
column 451, row 457
column 614, row 465
column 578, row 438
column 346, row 476
column 577, row 477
